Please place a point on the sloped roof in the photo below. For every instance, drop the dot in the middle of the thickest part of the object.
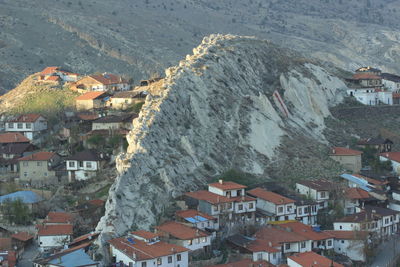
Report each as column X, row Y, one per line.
column 193, row 214
column 279, row 236
column 22, row 236
column 356, row 193
column 91, row 95
column 53, row 78
column 126, row 94
column 59, row 217
column 31, row 117
column 227, row 185
column 348, row 235
column 108, row 78
column 270, row 196
column 55, row 229
column 5, row 243
column 245, row 263
column 365, row 76
column 343, row 151
column 395, row 156
column 143, row 250
column 15, row 149
column 304, row 230
column 391, row 77
column 115, row 118
column 181, row 231
column 73, row 259
column 209, row 197
column 312, row 259
column 27, row 197
column 39, row 156
column 374, row 141
column 319, row 185
column 49, row 70
column 86, row 155
column 13, row 138
column 145, row 234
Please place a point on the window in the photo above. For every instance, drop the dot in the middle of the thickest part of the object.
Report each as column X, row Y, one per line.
column 306, row 210
column 88, row 164
column 45, row 174
column 259, row 256
column 300, row 210
column 25, row 174
column 169, row 259
column 239, row 192
column 240, row 207
column 323, row 194
column 190, row 242
column 215, row 208
column 273, row 255
column 229, row 206
column 287, row 246
column 204, row 239
column 251, row 205
column 303, row 244
column 280, row 209
column 144, row 264
column 81, row 164
column 11, row 125
column 197, row 240
column 25, row 164
column 340, row 227
column 39, row 163
column 71, row 164
column 342, row 241
column 19, row 125
column 159, row 261
column 329, row 243
column 178, row 257
column 288, row 208
column 28, row 125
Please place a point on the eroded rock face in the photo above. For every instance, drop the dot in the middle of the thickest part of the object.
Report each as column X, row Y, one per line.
column 214, row 112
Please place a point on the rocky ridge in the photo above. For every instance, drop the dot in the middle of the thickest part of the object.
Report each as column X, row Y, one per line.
column 213, row 112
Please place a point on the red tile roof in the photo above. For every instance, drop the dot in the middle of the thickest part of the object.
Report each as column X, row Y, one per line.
column 39, row 156
column 348, row 235
column 59, row 217
column 90, row 95
column 49, row 70
column 304, row 230
column 5, row 243
column 108, row 79
column 90, row 236
column 366, row 76
column 54, row 229
column 395, row 156
column 227, row 185
column 97, row 202
column 343, row 151
column 9, row 258
column 319, row 185
column 209, row 197
column 312, row 259
column 31, row 117
column 181, row 231
column 278, row 236
column 245, row 263
column 356, row 193
column 88, row 117
column 193, row 213
column 270, row 196
column 53, row 78
column 261, row 245
column 144, row 251
column 22, row 236
column 145, row 234
column 6, row 138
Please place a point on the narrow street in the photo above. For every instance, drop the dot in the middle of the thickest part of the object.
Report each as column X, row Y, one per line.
column 29, row 254
column 387, row 252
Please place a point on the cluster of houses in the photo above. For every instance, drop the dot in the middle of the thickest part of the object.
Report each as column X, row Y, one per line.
column 372, row 87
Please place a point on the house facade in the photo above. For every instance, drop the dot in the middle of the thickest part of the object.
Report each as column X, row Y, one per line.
column 349, row 158
column 394, row 158
column 101, row 82
column 309, row 259
column 52, row 236
column 30, row 125
column 391, row 82
column 317, row 190
column 351, row 244
column 126, row 99
column 84, row 165
column 197, row 219
column 91, row 100
column 38, row 166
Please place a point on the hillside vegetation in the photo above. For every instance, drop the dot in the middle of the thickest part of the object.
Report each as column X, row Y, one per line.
column 29, row 97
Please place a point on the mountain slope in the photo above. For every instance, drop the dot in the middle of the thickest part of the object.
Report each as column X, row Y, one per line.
column 215, row 112
column 138, row 38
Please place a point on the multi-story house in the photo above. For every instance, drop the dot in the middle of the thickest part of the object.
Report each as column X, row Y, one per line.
column 226, row 201
column 52, row 236
column 309, row 259
column 39, row 166
column 84, row 165
column 144, row 249
column 186, row 236
column 197, row 219
column 101, row 82
column 306, row 211
column 30, row 125
column 349, row 158
column 350, row 243
column 391, row 82
column 317, row 190
column 281, row 207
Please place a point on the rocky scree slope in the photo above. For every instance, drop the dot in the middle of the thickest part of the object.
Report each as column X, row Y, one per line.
column 214, row 112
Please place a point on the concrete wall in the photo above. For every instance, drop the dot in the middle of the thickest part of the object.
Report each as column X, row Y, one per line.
column 34, row 170
column 352, row 163
column 354, row 249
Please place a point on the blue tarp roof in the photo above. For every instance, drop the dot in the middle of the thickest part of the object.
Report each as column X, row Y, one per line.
column 196, row 219
column 28, row 197
column 75, row 258
column 363, row 184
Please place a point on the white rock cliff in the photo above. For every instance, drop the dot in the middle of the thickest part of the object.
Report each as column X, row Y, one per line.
column 215, row 112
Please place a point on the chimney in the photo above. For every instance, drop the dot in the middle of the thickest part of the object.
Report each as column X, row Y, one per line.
column 221, row 181
column 333, row 151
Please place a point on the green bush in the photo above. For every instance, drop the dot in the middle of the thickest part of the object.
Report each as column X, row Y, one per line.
column 16, row 212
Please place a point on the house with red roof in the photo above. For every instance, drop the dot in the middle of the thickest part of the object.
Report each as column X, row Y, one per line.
column 394, row 158
column 185, row 236
column 58, row 218
column 145, row 249
column 281, row 207
column 39, row 166
column 224, row 200
column 349, row 158
column 8, row 258
column 54, row 235
column 53, row 73
column 350, row 243
column 101, row 82
column 310, row 259
column 355, row 197
column 317, row 190
column 91, row 100
column 13, row 138
column 245, row 263
column 30, row 125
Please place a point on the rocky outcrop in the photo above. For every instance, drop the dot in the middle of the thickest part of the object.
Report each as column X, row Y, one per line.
column 214, row 112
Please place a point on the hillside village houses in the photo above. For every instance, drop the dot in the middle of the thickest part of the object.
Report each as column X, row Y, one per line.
column 349, row 158
column 126, row 99
column 394, row 158
column 101, row 82
column 378, row 143
column 317, row 190
column 38, row 166
column 30, row 125
column 91, row 101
